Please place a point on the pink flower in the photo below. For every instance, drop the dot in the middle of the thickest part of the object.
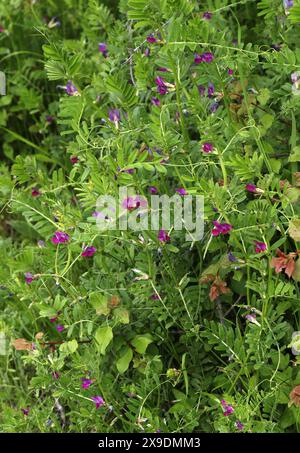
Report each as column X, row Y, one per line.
column 35, row 192
column 260, row 247
column 228, row 409
column 86, row 383
column 28, row 277
column 230, row 71
column 153, row 190
column 221, row 228
column 207, row 147
column 98, row 400
column 250, row 188
column 163, row 236
column 74, row 160
column 60, row 237
column 60, row 328
column 151, row 39
column 89, row 251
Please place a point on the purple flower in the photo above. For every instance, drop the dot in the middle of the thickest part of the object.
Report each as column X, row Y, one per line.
column 260, row 246
column 250, row 188
column 220, row 228
column 210, row 90
column 71, row 89
column 89, row 251
column 161, row 86
column 231, row 257
column 153, row 190
column 155, row 101
column 214, row 107
column 201, row 89
column 206, row 57
column 181, row 191
column 60, row 237
column 287, row 4
column 151, row 39
column 103, row 49
column 35, row 192
column 55, row 375
column 230, row 71
column 207, row 147
column 98, row 400
column 163, row 236
column 239, row 425
column 162, row 69
column 207, row 15
column 49, row 118
column 276, row 47
column 28, row 277
column 53, row 319
column 147, row 52
column 228, row 409
column 114, row 116
column 60, row 328
column 86, row 383
column 154, row 296
column 25, row 411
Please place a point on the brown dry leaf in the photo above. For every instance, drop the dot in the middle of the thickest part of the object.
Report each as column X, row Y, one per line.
column 295, row 396
column 114, row 301
column 22, row 345
column 39, row 335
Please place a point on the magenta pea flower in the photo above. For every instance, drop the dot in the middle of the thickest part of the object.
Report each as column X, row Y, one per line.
column 89, row 251
column 153, row 190
column 54, row 319
column 55, row 375
column 25, row 411
column 207, row 15
column 163, row 236
column 49, row 119
column 147, row 52
column 207, row 147
column 60, row 328
column 181, row 191
column 163, row 69
column 60, row 237
column 74, row 160
column 28, row 277
column 250, row 188
column 154, row 296
column 260, row 246
column 230, row 71
column 214, row 107
column 220, row 228
column 86, row 383
column 71, row 89
column 98, row 400
column 35, row 192
column 206, row 57
column 161, row 86
column 155, row 101
column 228, row 409
column 151, row 38
column 239, row 425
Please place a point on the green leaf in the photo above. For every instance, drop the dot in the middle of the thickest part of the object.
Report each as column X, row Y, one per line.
column 141, row 342
column 125, row 359
column 294, row 229
column 69, row 347
column 103, row 337
column 122, row 315
column 100, row 303
column 295, row 156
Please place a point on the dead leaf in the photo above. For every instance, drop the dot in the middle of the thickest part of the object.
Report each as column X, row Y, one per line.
column 22, row 345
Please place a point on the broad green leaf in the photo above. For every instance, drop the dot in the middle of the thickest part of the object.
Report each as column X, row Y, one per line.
column 103, row 337
column 141, row 342
column 125, row 359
